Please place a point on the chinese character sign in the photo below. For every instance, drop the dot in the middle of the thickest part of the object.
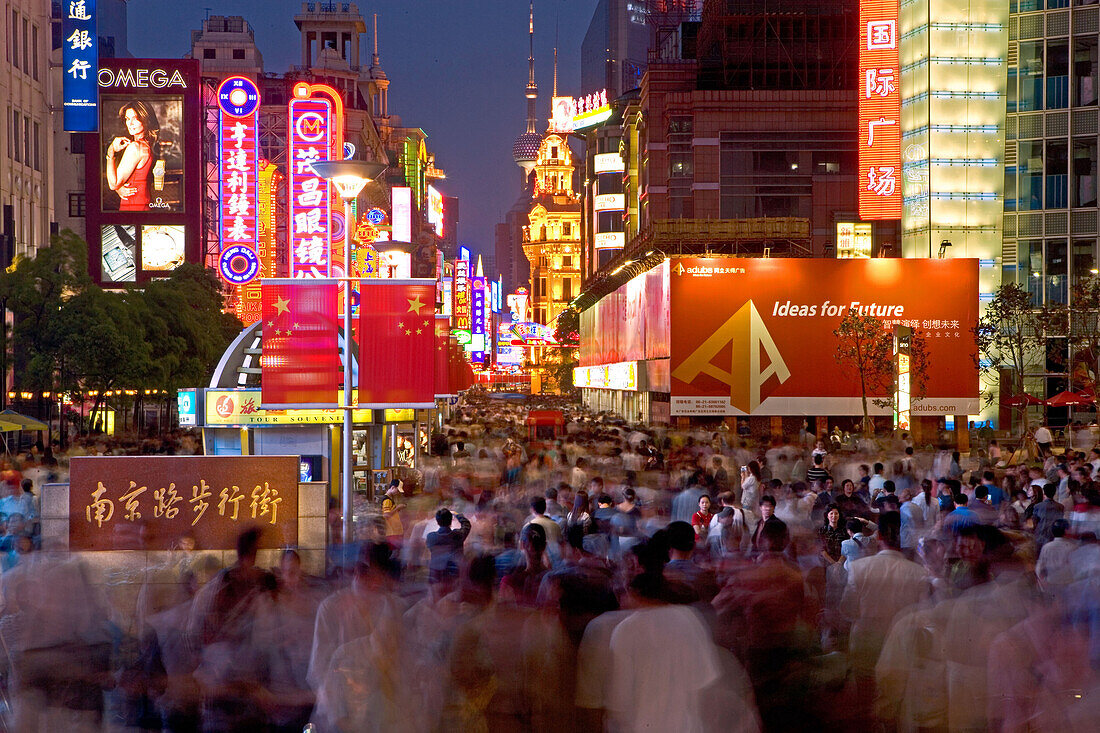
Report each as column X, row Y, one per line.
column 880, row 195
column 463, row 306
column 239, row 102
column 309, row 135
column 151, row 502
column 80, row 65
column 477, row 286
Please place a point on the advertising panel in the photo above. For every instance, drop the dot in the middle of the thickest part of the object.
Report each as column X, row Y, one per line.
column 435, row 210
column 151, row 502
column 146, row 183
column 853, row 239
column 607, row 202
column 79, row 61
column 880, row 194
column 401, row 199
column 628, row 324
column 463, row 307
column 241, row 408
column 609, row 240
column 310, row 137
column 238, row 177
column 756, row 335
column 608, row 163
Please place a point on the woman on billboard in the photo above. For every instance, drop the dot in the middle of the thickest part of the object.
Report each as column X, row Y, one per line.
column 130, row 158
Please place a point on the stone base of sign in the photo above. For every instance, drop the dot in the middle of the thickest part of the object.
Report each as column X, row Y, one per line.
column 120, row 574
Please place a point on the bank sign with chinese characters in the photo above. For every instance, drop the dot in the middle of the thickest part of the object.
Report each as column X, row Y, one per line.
column 80, row 61
column 880, row 195
column 310, row 131
column 151, row 502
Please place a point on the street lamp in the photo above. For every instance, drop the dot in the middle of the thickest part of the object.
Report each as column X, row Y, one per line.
column 349, row 177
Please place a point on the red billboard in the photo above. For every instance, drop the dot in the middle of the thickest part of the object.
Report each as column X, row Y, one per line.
column 879, row 111
column 755, row 336
column 143, row 170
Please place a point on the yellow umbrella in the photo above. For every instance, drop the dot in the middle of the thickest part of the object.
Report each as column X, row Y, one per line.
column 7, row 426
column 22, row 422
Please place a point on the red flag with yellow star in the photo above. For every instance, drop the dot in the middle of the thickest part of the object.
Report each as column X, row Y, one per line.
column 300, row 363
column 396, row 343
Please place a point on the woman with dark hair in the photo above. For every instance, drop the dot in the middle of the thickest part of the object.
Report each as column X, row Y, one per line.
column 750, row 485
column 832, row 534
column 130, row 158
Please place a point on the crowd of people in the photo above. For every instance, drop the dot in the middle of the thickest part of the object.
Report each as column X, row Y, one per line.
column 617, row 577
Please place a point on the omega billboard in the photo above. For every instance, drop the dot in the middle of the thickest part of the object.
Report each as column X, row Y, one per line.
column 144, row 170
column 755, row 336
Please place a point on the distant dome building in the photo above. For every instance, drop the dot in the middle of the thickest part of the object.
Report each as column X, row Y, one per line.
column 525, row 151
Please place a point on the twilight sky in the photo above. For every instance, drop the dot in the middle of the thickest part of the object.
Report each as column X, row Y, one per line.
column 457, row 70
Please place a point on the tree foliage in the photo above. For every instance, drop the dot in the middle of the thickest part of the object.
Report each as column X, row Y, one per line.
column 865, row 349
column 71, row 335
column 1010, row 338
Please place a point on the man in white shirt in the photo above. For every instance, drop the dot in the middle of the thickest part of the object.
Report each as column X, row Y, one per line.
column 876, row 482
column 879, row 588
column 1053, row 568
column 1043, row 439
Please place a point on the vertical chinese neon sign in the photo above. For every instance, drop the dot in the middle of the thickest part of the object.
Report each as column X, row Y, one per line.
column 310, row 136
column 80, row 61
column 880, row 195
column 238, row 104
column 461, row 288
column 477, row 286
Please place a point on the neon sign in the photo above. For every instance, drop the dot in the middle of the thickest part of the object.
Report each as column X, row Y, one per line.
column 79, row 56
column 238, row 103
column 880, row 195
column 310, row 138
column 401, row 200
column 462, row 303
column 435, row 210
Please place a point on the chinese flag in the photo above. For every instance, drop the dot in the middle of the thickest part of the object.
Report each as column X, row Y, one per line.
column 442, row 370
column 396, row 343
column 300, row 365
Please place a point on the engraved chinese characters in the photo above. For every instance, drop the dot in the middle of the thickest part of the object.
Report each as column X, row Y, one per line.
column 149, row 502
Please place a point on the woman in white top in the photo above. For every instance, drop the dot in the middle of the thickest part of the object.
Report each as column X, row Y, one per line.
column 750, row 485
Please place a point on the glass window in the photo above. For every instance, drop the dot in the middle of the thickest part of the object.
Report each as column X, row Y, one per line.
column 34, row 52
column 567, row 289
column 16, row 127
column 77, row 204
column 76, row 143
column 1057, row 269
column 238, row 54
column 1030, row 271
column 37, row 146
column 1030, row 163
column 26, row 54
column 210, row 53
column 1085, row 65
column 15, row 39
column 1084, row 259
column 1010, row 188
column 1084, row 172
column 1031, row 76
column 1056, row 167
column 28, row 144
column 1057, row 74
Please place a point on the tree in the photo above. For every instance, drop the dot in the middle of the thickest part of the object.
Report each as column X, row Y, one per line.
column 1010, row 339
column 866, row 348
column 562, row 359
column 35, row 291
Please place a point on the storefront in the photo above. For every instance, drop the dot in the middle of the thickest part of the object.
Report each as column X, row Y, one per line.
column 234, row 424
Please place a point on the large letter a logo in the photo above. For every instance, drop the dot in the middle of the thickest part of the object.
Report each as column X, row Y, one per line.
column 746, row 335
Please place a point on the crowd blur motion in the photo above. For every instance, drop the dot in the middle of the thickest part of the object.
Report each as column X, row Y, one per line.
column 612, row 577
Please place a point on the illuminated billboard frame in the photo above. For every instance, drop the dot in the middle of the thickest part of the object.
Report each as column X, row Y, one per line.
column 608, row 163
column 238, row 178
column 463, row 306
column 608, row 202
column 79, row 63
column 880, row 170
column 117, row 252
column 435, row 209
column 401, row 200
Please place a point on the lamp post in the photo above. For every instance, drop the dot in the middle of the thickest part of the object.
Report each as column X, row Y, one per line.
column 349, row 177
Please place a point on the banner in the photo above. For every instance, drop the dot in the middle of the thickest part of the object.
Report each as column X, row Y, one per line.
column 441, row 371
column 80, row 65
column 301, row 355
column 755, row 336
column 151, row 502
column 396, row 343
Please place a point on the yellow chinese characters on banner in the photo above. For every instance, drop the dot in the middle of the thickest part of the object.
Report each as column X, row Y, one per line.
column 152, row 502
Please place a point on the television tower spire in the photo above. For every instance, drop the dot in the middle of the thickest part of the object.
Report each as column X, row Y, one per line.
column 532, row 87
